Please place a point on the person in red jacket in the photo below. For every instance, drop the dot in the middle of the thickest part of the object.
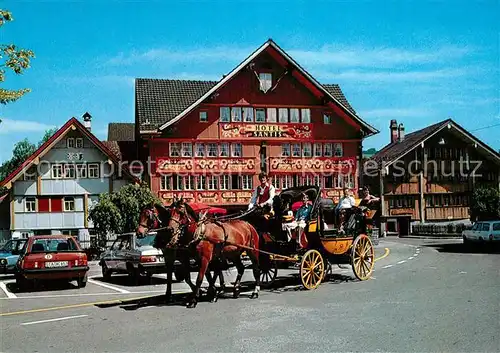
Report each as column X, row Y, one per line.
column 263, row 195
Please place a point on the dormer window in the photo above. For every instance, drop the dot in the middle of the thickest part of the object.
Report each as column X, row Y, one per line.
column 266, row 81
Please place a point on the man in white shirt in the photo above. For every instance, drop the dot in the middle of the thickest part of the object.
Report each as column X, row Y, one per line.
column 346, row 202
column 264, row 193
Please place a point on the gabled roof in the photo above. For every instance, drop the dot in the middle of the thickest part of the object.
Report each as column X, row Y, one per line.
column 167, row 101
column 396, row 150
column 159, row 101
column 71, row 124
column 121, row 132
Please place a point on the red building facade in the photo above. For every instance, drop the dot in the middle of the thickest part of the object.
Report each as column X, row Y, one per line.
column 208, row 141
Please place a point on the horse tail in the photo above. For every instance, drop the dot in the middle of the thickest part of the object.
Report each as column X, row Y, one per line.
column 254, row 242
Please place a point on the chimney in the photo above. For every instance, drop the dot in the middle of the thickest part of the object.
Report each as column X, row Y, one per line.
column 401, row 132
column 87, row 121
column 394, row 131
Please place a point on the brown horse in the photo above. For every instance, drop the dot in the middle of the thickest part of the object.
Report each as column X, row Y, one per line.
column 218, row 241
column 157, row 217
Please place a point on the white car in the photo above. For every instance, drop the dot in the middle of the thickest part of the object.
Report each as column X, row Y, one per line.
column 483, row 231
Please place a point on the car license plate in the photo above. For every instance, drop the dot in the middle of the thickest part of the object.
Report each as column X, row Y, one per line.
column 56, row 264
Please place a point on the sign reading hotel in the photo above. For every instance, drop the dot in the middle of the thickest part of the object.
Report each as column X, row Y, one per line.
column 268, row 131
column 296, row 165
column 178, row 165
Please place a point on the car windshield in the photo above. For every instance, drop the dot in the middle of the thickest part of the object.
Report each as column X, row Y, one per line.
column 54, row 245
column 147, row 240
column 13, row 245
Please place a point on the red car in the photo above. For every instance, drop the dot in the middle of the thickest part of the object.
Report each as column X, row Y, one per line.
column 51, row 257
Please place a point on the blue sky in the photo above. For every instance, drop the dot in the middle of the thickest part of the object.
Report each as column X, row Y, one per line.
column 414, row 61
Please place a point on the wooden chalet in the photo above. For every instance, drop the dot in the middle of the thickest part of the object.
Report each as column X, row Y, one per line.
column 428, row 175
column 209, row 140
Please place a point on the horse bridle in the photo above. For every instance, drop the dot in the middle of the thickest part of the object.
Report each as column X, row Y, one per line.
column 153, row 217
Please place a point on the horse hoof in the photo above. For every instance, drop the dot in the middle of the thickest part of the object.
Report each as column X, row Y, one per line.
column 236, row 294
column 191, row 305
column 214, row 300
column 254, row 295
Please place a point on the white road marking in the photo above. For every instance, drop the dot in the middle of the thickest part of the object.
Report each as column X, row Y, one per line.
column 52, row 320
column 411, row 258
column 401, row 262
column 83, row 295
column 9, row 294
column 463, row 272
column 387, row 266
column 108, row 286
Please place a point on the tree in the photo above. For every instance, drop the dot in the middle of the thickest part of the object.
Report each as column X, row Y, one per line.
column 118, row 212
column 485, row 204
column 12, row 58
column 22, row 150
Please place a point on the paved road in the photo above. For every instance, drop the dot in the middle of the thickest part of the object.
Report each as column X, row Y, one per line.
column 424, row 296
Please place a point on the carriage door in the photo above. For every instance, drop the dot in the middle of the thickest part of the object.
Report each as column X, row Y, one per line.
column 263, row 156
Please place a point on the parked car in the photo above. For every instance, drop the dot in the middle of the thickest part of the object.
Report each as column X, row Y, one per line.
column 51, row 257
column 135, row 257
column 483, row 231
column 9, row 253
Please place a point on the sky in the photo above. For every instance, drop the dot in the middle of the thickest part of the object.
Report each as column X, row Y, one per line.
column 415, row 61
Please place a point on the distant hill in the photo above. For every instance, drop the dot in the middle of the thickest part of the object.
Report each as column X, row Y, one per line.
column 369, row 152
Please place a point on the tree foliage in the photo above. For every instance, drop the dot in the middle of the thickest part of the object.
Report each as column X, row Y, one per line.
column 22, row 150
column 118, row 212
column 485, row 204
column 14, row 59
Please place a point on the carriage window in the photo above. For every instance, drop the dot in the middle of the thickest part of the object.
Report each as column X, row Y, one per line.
column 165, row 182
column 175, row 149
column 296, row 150
column 224, row 182
column 199, row 150
column 285, row 150
column 246, row 182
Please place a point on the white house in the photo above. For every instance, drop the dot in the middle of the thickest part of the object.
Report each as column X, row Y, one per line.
column 52, row 191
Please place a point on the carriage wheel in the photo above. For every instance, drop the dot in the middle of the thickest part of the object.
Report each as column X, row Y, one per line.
column 362, row 257
column 312, row 269
column 268, row 274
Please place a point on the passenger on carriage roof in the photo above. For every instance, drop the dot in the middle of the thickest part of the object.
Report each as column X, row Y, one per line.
column 367, row 198
column 264, row 193
column 304, row 210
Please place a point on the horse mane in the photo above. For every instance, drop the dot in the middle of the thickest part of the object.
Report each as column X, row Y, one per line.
column 163, row 212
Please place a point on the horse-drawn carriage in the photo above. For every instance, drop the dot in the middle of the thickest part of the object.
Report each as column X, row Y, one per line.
column 325, row 244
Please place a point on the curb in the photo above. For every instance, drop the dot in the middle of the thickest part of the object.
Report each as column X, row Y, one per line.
column 429, row 237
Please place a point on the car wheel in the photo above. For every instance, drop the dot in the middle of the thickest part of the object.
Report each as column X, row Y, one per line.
column 82, row 281
column 106, row 272
column 23, row 284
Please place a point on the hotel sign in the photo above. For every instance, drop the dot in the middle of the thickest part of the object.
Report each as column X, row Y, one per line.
column 209, row 197
column 266, row 131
